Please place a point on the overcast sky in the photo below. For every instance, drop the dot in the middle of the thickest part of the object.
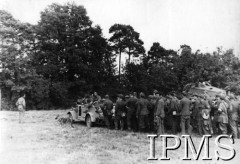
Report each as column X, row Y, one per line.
column 202, row 24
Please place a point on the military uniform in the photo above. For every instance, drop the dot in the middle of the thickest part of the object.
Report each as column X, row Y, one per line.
column 96, row 98
column 233, row 117
column 195, row 114
column 173, row 109
column 142, row 114
column 159, row 115
column 223, row 117
column 185, row 114
column 151, row 107
column 205, row 118
column 21, row 105
column 107, row 112
column 120, row 110
column 215, row 106
column 131, row 113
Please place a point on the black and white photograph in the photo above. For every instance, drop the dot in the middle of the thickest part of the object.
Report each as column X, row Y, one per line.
column 119, row 81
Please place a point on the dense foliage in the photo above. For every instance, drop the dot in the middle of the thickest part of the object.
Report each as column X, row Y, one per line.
column 64, row 56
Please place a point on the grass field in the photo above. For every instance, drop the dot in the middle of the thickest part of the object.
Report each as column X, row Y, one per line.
column 41, row 140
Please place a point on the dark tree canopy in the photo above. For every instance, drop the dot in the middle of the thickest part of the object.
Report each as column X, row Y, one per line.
column 125, row 39
column 65, row 56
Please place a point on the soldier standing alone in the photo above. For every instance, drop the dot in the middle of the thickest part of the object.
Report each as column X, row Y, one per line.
column 21, row 105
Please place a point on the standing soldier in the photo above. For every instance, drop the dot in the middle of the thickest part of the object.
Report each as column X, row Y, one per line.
column 233, row 116
column 223, row 115
column 185, row 113
column 142, row 113
column 195, row 112
column 21, row 105
column 107, row 111
column 159, row 114
column 131, row 112
column 151, row 105
column 120, row 112
column 205, row 124
column 173, row 109
column 215, row 104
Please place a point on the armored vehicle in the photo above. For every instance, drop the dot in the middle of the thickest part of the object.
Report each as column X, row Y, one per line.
column 202, row 88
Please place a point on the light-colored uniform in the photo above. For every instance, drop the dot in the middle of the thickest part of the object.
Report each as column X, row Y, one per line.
column 21, row 104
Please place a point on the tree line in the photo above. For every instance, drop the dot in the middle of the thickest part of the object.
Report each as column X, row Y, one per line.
column 65, row 56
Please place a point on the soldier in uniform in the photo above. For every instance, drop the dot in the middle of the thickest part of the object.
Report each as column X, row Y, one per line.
column 215, row 104
column 96, row 97
column 131, row 112
column 151, row 105
column 185, row 113
column 159, row 114
column 142, row 113
column 21, row 106
column 223, row 115
column 88, row 101
column 205, row 124
column 172, row 112
column 233, row 116
column 120, row 112
column 195, row 112
column 107, row 111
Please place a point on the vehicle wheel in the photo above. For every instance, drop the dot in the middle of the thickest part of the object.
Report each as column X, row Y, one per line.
column 89, row 121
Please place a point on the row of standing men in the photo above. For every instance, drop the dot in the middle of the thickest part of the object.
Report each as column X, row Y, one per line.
column 193, row 112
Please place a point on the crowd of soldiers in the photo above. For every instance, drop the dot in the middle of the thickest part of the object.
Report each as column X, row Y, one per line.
column 188, row 113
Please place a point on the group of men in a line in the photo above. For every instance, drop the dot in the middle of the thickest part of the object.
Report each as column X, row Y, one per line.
column 193, row 112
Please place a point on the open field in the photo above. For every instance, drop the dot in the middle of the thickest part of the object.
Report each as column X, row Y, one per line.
column 41, row 140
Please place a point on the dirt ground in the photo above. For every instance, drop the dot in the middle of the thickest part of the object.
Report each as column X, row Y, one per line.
column 40, row 140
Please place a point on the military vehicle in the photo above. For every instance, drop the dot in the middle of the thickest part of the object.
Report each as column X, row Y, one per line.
column 202, row 88
column 89, row 113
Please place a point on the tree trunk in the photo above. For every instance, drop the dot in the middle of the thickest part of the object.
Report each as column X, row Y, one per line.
column 0, row 98
column 129, row 55
column 119, row 71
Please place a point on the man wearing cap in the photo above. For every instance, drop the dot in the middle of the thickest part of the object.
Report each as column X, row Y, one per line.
column 142, row 113
column 159, row 114
column 233, row 116
column 194, row 116
column 215, row 104
column 120, row 112
column 126, row 97
column 185, row 113
column 223, row 115
column 204, row 119
column 131, row 112
column 172, row 112
column 107, row 111
column 155, row 92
